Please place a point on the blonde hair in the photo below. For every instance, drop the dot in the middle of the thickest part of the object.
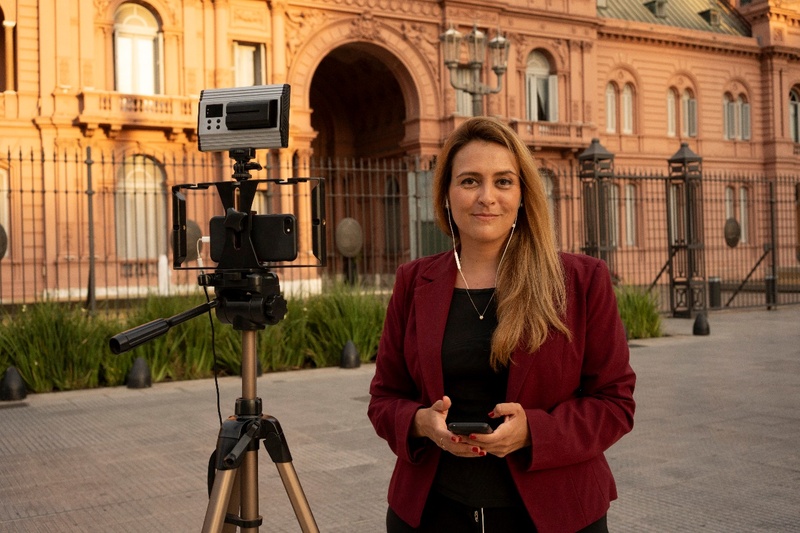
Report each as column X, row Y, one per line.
column 531, row 293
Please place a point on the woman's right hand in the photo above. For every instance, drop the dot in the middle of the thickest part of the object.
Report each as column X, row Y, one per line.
column 431, row 422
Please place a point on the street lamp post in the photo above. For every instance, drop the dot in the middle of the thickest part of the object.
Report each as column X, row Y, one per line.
column 476, row 52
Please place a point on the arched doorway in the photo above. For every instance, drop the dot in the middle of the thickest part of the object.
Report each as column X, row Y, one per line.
column 358, row 106
column 359, row 116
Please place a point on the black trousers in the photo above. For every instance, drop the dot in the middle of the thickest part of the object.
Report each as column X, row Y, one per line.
column 443, row 515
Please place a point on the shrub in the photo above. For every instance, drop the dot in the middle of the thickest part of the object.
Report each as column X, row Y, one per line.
column 639, row 312
column 61, row 347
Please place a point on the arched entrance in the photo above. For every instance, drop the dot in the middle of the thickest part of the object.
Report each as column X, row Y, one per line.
column 358, row 105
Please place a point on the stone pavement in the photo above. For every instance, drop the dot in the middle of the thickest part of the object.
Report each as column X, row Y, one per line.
column 715, row 446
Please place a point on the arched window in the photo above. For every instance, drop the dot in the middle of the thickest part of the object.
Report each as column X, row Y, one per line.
column 627, row 109
column 794, row 115
column 736, row 117
column 728, row 120
column 688, row 114
column 140, row 210
column 743, row 108
column 619, row 104
column 611, row 108
column 542, row 89
column 138, row 50
column 672, row 112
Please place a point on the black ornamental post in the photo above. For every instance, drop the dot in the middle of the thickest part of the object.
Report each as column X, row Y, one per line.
column 685, row 234
column 596, row 170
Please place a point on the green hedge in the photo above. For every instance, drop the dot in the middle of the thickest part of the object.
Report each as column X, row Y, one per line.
column 58, row 347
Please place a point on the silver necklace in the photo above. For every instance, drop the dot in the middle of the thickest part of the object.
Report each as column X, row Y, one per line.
column 480, row 315
column 458, row 263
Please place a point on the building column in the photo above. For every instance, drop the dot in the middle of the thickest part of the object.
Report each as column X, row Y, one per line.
column 278, row 41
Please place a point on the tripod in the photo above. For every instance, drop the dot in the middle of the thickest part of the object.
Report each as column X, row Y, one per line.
column 247, row 301
column 235, row 486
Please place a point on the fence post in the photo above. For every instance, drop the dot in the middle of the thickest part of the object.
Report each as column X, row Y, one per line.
column 91, row 297
column 596, row 169
column 685, row 233
column 771, row 281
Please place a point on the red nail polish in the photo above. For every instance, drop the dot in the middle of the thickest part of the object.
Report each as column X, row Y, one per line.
column 491, row 414
column 472, row 436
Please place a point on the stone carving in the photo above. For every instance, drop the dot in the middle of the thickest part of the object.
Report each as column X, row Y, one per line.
column 367, row 28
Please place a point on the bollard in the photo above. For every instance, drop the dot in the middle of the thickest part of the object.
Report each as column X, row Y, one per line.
column 701, row 325
column 350, row 357
column 139, row 376
column 12, row 387
column 714, row 292
column 771, row 288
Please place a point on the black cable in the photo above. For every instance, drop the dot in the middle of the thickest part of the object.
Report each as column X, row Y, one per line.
column 214, row 355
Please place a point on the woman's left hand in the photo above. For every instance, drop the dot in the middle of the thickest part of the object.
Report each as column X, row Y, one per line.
column 511, row 435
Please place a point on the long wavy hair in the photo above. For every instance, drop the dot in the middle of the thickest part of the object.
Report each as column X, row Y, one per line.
column 530, row 292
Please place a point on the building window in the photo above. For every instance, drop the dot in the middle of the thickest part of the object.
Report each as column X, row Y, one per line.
column 623, row 103
column 743, row 210
column 794, row 115
column 248, row 64
column 611, row 108
column 737, row 208
column 612, row 212
column 463, row 98
column 630, row 215
column 541, row 89
column 672, row 112
column 140, row 210
column 627, row 109
column 7, row 55
column 688, row 114
column 137, row 50
column 736, row 117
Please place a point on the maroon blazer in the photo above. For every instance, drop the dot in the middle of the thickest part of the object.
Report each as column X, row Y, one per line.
column 578, row 394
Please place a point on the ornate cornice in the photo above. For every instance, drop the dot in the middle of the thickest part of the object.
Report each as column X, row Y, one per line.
column 673, row 41
column 416, row 8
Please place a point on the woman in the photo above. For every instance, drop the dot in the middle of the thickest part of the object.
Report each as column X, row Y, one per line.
column 505, row 330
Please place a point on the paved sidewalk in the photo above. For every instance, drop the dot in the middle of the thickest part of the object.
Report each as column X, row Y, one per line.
column 716, row 445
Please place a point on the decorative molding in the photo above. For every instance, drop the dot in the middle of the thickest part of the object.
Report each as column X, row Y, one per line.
column 366, row 28
column 419, row 36
column 299, row 26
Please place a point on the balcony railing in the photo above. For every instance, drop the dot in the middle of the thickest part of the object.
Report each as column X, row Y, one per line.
column 551, row 134
column 113, row 111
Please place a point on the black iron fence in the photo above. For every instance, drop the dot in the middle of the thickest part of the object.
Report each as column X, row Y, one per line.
column 96, row 228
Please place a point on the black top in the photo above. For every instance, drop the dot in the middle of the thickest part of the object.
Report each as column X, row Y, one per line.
column 474, row 389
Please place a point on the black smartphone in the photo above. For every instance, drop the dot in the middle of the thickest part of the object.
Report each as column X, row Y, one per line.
column 468, row 428
column 274, row 237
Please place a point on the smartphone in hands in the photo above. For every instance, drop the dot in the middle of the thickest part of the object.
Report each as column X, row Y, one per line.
column 469, row 428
